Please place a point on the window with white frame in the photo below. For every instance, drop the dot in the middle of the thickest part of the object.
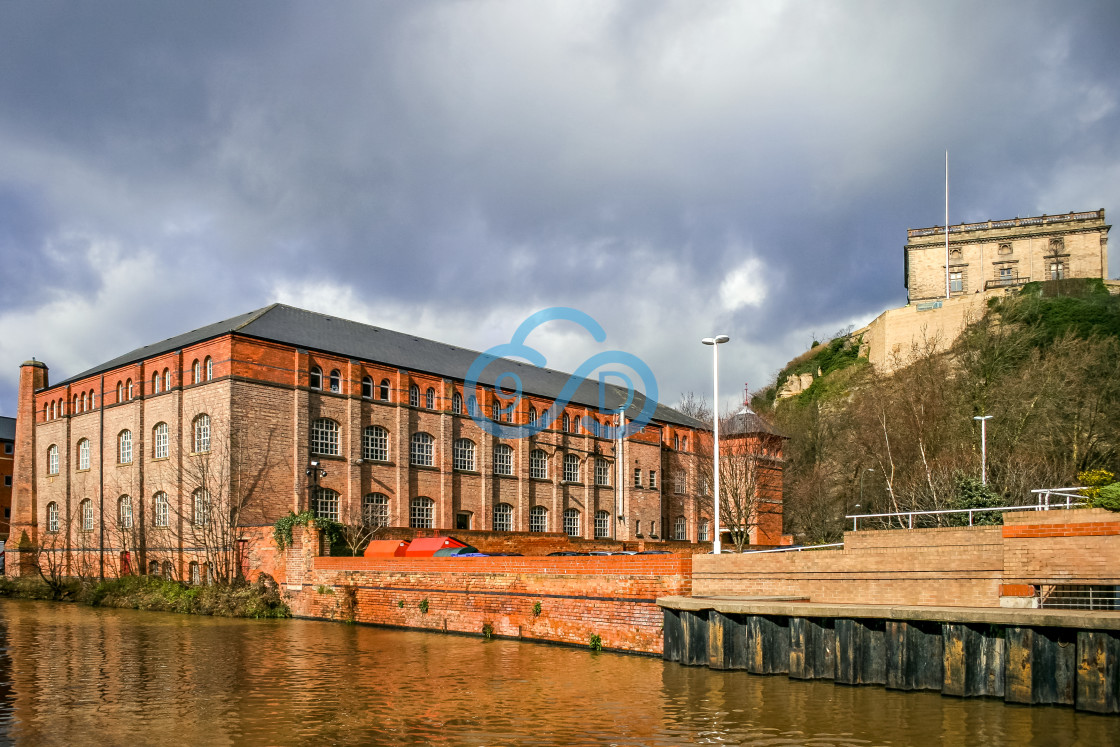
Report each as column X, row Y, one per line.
column 83, row 454
column 414, row 396
column 324, row 502
column 124, row 504
column 653, row 479
column 161, row 510
column 200, row 501
column 85, row 511
column 196, row 371
column 602, row 524
column 336, row 381
column 324, row 437
column 430, row 399
column 201, row 427
column 538, row 519
column 1057, row 270
column 385, row 390
column 52, row 460
column 124, row 447
column 463, row 455
column 703, row 533
column 503, row 459
column 375, row 443
column 167, row 379
column 680, row 481
column 367, row 387
column 637, row 477
column 315, row 378
column 571, row 468
column 503, row 518
column 956, row 282
column 680, row 529
column 571, row 522
column 52, row 517
column 83, row 402
column 209, row 368
column 421, row 451
column 676, row 442
column 567, row 423
column 538, row 464
column 472, row 406
column 421, row 513
column 120, row 391
column 155, row 383
column 495, row 410
column 532, row 416
column 159, row 441
column 457, row 403
column 602, row 471
column 128, row 386
column 375, row 510
column 195, row 573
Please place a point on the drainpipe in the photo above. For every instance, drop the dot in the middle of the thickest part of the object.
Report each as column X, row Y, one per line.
column 101, row 480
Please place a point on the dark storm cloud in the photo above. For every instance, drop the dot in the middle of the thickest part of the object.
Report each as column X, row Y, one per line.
column 669, row 167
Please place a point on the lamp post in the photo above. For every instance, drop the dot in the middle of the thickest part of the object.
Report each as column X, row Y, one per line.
column 314, row 472
column 715, row 342
column 983, row 447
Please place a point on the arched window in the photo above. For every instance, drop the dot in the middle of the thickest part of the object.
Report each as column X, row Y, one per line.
column 124, row 447
column 571, row 522
column 124, row 505
column 161, row 510
column 200, row 500
column 464, row 454
column 167, row 379
column 159, row 441
column 602, row 471
column 375, row 443
column 155, row 383
column 503, row 518
column 472, row 406
column 571, row 468
column 414, row 396
column 83, row 454
column 167, row 570
column 430, row 399
column 676, row 442
column 567, row 423
column 421, row 513
column 385, row 390
column 336, row 381
column 680, row 529
column 128, row 388
column 421, row 451
column 52, row 460
column 195, row 573
column 538, row 519
column 495, row 410
column 50, row 411
column 85, row 511
column 602, row 524
column 315, row 378
column 684, row 443
column 209, row 368
column 532, row 416
column 52, row 517
column 324, row 437
column 196, row 372
column 457, row 403
column 120, row 391
column 201, row 434
column 503, row 459
column 324, row 502
column 367, row 387
column 375, row 510
column 82, row 401
column 153, row 567
column 538, row 464
column 703, row 533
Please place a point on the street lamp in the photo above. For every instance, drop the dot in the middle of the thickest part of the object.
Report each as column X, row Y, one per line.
column 983, row 446
column 715, row 342
column 314, row 472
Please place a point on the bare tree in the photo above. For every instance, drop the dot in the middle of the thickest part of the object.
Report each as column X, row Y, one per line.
column 363, row 526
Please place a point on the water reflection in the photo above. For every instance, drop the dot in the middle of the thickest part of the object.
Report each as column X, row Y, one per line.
column 70, row 674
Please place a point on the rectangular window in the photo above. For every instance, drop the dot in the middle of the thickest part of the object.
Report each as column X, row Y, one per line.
column 1005, row 273
column 653, row 479
column 956, row 282
column 637, row 477
column 538, row 518
column 571, row 468
column 538, row 465
column 159, row 443
column 602, row 472
column 1057, row 270
column 681, row 482
column 7, row 481
column 602, row 525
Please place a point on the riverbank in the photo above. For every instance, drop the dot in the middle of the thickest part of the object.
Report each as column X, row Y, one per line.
column 152, row 593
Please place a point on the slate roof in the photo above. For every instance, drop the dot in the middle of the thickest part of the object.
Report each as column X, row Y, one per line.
column 747, row 421
column 7, row 429
column 328, row 334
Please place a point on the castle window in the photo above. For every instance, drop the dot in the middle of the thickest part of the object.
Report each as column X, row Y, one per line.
column 571, row 468
column 336, row 381
column 457, row 403
column 956, row 282
column 201, row 434
column 414, row 396
column 1057, row 270
column 375, row 510
column 538, row 519
column 680, row 529
column 367, row 387
column 124, row 504
column 325, row 503
column 324, row 437
column 602, row 472
column 161, row 510
column 209, row 368
column 385, row 390
column 464, row 455
column 375, row 444
column 421, row 450
column 52, row 459
column 503, row 460
column 315, row 378
column 52, row 517
column 83, row 454
column 85, row 511
column 159, row 441
column 602, row 524
column 430, row 399
column 421, row 513
column 503, row 518
column 538, row 464
column 124, row 447
column 571, row 522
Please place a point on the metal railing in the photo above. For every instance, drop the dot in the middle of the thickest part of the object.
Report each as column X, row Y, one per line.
column 1031, row 221
column 1044, row 504
column 1079, row 597
column 795, row 549
column 1007, row 282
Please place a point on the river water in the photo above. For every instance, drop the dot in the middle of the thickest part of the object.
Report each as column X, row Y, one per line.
column 74, row 675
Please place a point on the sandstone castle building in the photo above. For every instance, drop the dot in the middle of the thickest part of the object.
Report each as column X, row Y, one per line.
column 150, row 461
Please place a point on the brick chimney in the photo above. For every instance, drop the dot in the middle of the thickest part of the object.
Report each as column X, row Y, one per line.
column 32, row 377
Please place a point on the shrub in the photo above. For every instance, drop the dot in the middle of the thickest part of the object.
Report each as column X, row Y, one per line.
column 1108, row 497
column 595, row 642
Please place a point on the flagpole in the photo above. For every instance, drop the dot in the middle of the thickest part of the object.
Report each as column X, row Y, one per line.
column 946, row 224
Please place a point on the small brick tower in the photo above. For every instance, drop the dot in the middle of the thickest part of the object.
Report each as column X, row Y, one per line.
column 23, row 537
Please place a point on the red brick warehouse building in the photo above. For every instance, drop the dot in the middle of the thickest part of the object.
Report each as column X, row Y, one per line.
column 132, row 464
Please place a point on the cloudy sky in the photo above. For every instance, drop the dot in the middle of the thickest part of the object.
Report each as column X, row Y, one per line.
column 675, row 169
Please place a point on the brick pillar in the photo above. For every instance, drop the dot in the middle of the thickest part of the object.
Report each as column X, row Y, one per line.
column 24, row 526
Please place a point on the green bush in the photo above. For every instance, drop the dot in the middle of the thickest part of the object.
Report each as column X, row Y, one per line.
column 1108, row 497
column 972, row 493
